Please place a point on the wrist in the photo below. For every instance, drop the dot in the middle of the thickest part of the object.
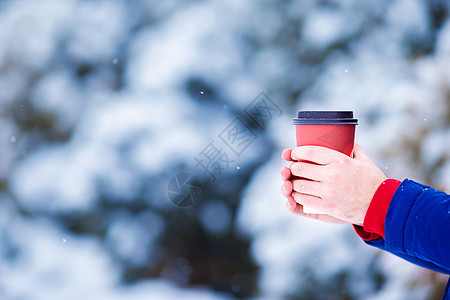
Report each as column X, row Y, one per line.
column 373, row 224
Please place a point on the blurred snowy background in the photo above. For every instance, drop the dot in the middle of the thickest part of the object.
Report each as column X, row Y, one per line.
column 104, row 101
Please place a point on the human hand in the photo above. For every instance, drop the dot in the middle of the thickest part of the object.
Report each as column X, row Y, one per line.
column 287, row 191
column 327, row 180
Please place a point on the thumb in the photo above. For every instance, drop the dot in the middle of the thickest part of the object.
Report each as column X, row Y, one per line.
column 360, row 154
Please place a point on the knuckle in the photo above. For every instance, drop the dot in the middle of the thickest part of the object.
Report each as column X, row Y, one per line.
column 301, row 199
column 296, row 185
column 312, row 200
column 309, row 152
column 325, row 193
column 293, row 168
column 333, row 174
column 326, row 202
column 341, row 162
column 294, row 153
column 302, row 153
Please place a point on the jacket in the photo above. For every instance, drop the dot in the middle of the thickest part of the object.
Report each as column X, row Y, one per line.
column 412, row 221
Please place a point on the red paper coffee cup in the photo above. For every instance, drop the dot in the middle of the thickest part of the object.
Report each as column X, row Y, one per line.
column 331, row 129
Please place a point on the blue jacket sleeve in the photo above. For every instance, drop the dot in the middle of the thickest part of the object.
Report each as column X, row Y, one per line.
column 417, row 226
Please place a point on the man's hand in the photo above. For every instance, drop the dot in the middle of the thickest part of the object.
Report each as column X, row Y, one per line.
column 321, row 178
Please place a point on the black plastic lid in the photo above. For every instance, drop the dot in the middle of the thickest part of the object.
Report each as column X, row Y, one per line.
column 315, row 117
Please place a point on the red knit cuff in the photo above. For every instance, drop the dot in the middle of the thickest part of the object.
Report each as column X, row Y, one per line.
column 367, row 236
column 373, row 226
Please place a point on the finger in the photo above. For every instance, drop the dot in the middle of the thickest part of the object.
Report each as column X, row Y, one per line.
column 326, row 218
column 308, row 200
column 297, row 209
column 286, row 188
column 294, row 207
column 286, row 154
column 307, row 170
column 285, row 173
column 316, row 154
column 359, row 153
column 309, row 187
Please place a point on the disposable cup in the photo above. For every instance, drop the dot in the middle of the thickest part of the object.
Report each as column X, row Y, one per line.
column 331, row 129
